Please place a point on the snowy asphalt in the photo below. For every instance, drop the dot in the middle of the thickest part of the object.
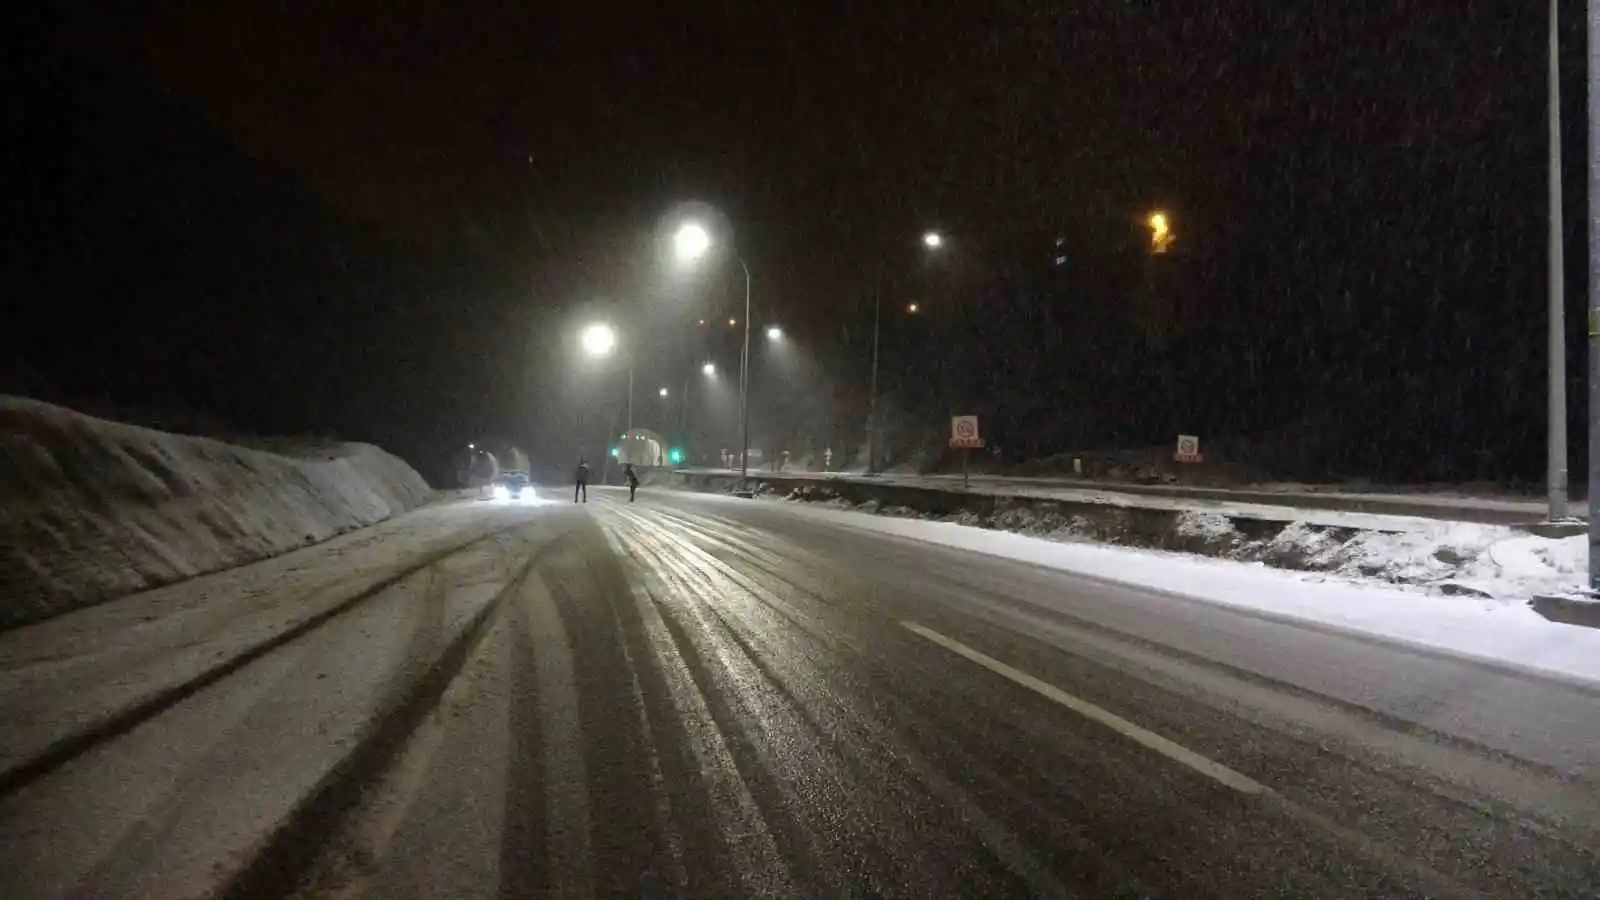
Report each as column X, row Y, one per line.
column 706, row 697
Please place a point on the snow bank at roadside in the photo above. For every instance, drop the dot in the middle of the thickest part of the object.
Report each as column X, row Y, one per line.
column 91, row 510
column 1479, row 627
column 1440, row 557
column 1448, row 557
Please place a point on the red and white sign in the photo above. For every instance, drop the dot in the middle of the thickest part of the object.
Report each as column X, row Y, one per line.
column 1188, row 449
column 964, row 432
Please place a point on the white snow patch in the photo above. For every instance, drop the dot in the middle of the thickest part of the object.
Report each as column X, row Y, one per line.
column 1208, row 525
column 1495, row 560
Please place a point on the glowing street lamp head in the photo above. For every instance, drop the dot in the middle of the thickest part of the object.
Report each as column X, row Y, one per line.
column 598, row 339
column 1160, row 232
column 774, row 333
column 933, row 240
column 912, row 308
column 690, row 243
column 662, row 392
column 709, row 369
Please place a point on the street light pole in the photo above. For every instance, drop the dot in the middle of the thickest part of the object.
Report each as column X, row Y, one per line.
column 1556, row 437
column 872, row 396
column 691, row 242
column 1593, row 11
column 932, row 240
column 744, row 384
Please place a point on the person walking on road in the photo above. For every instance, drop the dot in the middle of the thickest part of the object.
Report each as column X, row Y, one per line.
column 582, row 486
column 632, row 477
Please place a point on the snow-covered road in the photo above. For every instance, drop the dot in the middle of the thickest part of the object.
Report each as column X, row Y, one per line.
column 703, row 696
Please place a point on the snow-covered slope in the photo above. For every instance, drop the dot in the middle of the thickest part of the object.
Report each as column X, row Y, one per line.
column 91, row 510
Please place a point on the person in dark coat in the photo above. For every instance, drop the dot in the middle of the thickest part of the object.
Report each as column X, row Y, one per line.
column 632, row 477
column 583, row 482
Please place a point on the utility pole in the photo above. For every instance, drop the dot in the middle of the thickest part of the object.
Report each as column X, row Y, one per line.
column 744, row 387
column 872, row 396
column 1556, row 436
column 1593, row 13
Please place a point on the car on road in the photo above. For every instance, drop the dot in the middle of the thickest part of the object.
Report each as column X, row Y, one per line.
column 513, row 484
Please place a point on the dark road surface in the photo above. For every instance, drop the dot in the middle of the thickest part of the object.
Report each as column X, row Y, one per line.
column 705, row 697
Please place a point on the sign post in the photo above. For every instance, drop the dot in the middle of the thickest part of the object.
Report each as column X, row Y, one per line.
column 964, row 434
column 1188, row 449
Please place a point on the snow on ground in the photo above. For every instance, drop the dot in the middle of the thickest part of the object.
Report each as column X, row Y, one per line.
column 1489, row 628
column 1256, row 500
column 91, row 510
column 1446, row 557
column 1432, row 554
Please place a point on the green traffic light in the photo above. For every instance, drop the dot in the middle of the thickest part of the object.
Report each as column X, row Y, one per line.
column 675, row 456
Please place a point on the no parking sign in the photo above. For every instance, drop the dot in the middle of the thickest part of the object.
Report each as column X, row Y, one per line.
column 964, row 432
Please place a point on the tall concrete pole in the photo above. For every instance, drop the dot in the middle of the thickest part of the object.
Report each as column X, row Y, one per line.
column 1556, row 437
column 872, row 390
column 744, row 386
column 1593, row 12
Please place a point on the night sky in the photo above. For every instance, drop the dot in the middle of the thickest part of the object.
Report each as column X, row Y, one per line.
column 387, row 220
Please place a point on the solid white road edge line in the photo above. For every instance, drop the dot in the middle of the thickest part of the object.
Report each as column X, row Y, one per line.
column 1175, row 752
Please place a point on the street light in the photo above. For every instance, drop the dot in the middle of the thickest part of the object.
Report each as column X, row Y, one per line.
column 662, row 392
column 598, row 340
column 932, row 241
column 710, row 369
column 1556, row 325
column 1160, row 232
column 774, row 333
column 690, row 243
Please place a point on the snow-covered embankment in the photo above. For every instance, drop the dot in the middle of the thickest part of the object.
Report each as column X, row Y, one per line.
column 92, row 510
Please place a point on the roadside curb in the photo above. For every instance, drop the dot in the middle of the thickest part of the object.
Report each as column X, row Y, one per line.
column 1583, row 612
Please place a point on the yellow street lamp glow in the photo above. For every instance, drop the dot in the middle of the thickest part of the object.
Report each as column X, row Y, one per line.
column 1160, row 232
column 912, row 308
